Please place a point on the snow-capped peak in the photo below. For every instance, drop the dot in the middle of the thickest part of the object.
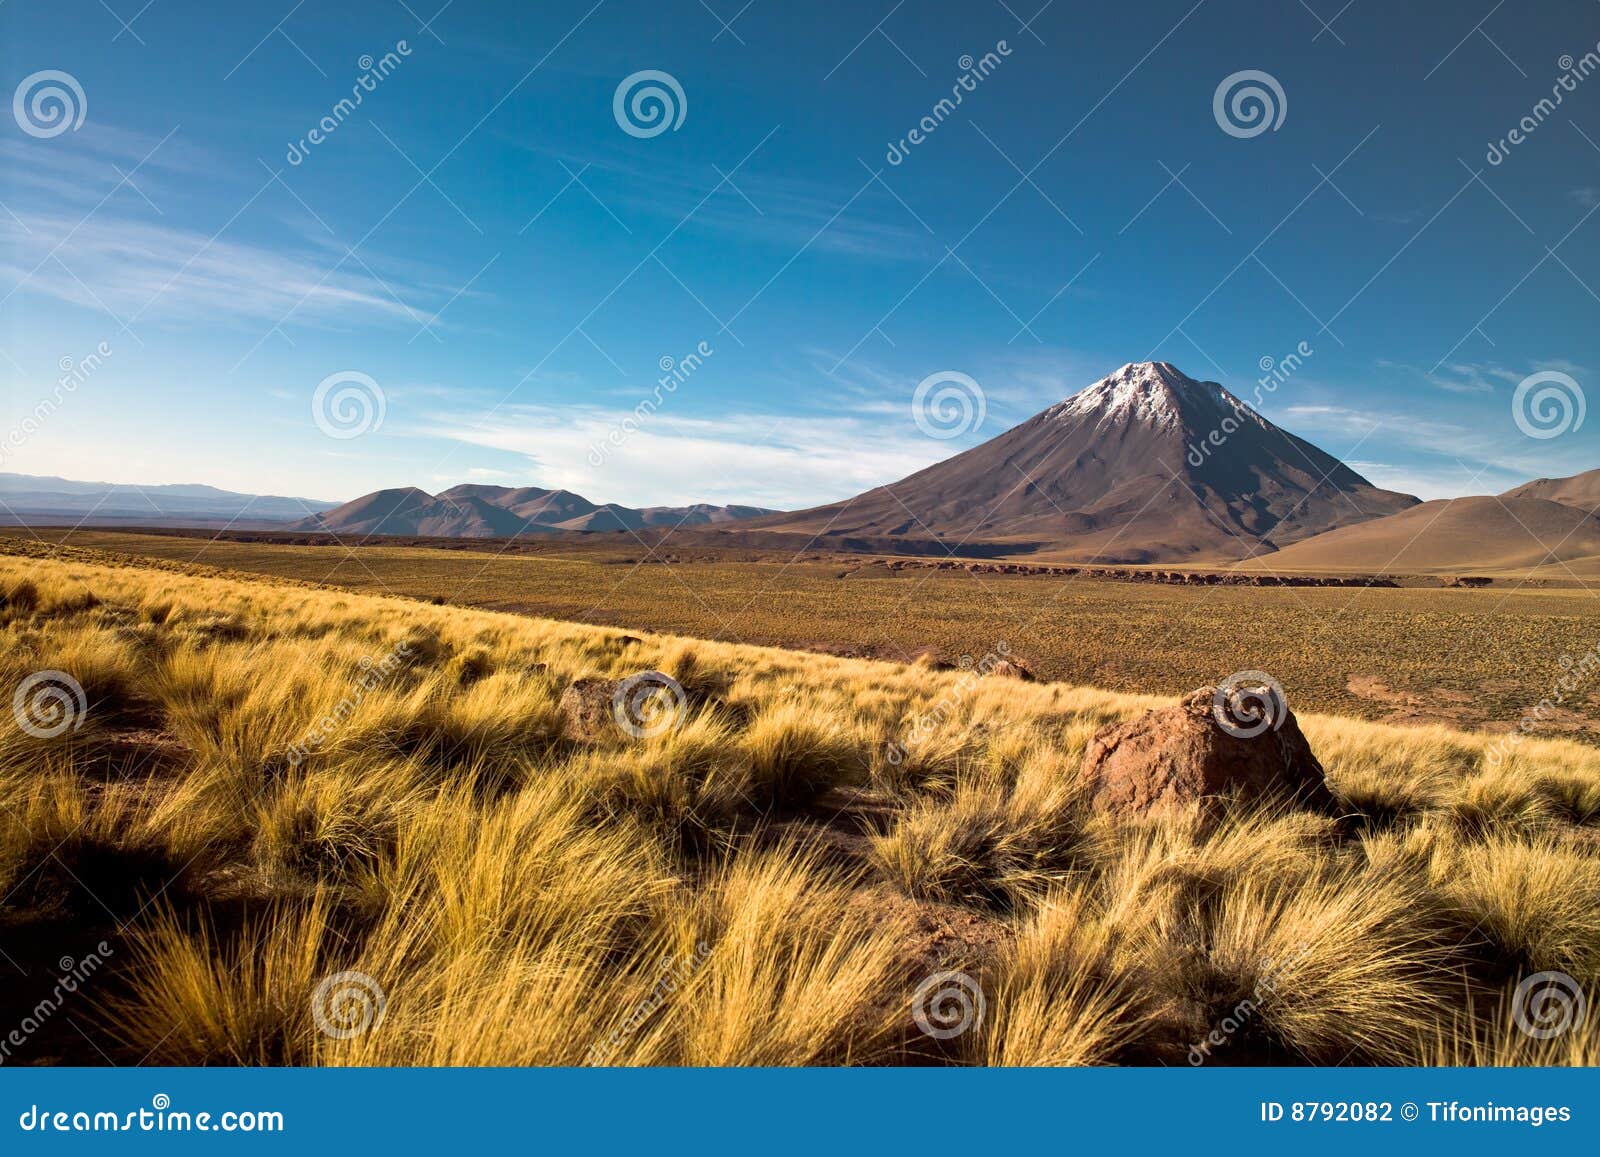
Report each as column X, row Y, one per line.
column 1155, row 393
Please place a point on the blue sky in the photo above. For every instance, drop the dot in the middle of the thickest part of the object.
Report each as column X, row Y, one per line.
column 483, row 240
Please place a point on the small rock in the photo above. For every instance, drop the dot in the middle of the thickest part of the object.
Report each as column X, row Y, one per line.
column 585, row 708
column 1172, row 757
column 932, row 659
column 1011, row 669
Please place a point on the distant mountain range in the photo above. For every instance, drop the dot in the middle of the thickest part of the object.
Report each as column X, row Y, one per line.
column 472, row 511
column 1145, row 465
column 28, row 498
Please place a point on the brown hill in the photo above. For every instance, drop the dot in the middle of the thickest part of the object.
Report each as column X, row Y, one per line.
column 1454, row 535
column 474, row 511
column 1581, row 490
column 1124, row 471
column 407, row 510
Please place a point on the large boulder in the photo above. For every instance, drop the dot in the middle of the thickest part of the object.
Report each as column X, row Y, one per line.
column 1242, row 742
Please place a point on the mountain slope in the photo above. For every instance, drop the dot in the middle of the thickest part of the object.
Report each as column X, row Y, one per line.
column 1458, row 534
column 410, row 511
column 531, row 504
column 1580, row 490
column 477, row 511
column 1123, row 471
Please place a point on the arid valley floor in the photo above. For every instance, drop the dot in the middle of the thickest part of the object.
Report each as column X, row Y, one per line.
column 521, row 893
column 1418, row 652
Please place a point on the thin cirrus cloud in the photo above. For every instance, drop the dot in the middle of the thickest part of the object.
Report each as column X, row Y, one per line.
column 1455, row 377
column 758, row 459
column 97, row 225
column 1448, row 459
column 1479, row 378
column 137, row 270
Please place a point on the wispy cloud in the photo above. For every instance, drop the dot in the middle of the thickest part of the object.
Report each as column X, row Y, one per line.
column 103, row 225
column 1445, row 458
column 93, row 163
column 1456, row 377
column 138, row 270
column 1016, row 384
column 758, row 458
column 1478, row 377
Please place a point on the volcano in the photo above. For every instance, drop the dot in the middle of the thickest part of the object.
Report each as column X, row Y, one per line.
column 1145, row 465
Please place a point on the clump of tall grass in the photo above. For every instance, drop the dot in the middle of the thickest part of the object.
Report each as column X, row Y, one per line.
column 992, row 844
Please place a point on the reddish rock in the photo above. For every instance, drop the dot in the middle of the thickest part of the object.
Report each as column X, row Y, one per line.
column 1176, row 756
